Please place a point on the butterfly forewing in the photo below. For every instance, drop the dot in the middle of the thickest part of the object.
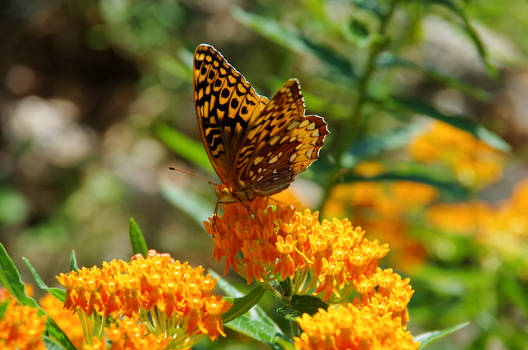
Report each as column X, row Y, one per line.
column 256, row 146
column 225, row 103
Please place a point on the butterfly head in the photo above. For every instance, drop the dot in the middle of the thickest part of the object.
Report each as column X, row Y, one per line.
column 224, row 192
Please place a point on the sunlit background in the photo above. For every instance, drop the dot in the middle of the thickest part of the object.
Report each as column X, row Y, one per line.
column 426, row 99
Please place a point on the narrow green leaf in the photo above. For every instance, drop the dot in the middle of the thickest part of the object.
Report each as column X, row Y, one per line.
column 55, row 332
column 470, row 31
column 3, row 308
column 450, row 187
column 388, row 60
column 294, row 41
column 187, row 201
column 460, row 122
column 431, row 337
column 73, row 261
column 139, row 246
column 51, row 344
column 10, row 279
column 184, row 146
column 243, row 304
column 255, row 323
column 56, row 292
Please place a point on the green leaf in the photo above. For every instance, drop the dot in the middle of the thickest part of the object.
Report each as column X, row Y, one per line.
column 514, row 291
column 139, row 246
column 56, row 292
column 470, row 31
column 184, row 146
column 372, row 145
column 369, row 5
column 255, row 323
column 460, row 122
column 260, row 331
column 308, row 304
column 294, row 41
column 187, row 201
column 388, row 60
column 10, row 279
column 431, row 337
column 73, row 261
column 243, row 304
column 51, row 344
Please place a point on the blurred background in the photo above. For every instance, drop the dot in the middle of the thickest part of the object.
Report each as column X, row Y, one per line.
column 425, row 100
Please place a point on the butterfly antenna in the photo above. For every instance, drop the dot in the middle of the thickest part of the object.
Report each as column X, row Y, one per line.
column 193, row 174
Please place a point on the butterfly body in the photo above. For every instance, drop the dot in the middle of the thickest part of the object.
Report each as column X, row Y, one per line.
column 256, row 146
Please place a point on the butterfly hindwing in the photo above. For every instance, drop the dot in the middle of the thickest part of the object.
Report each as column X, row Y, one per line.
column 284, row 142
column 225, row 104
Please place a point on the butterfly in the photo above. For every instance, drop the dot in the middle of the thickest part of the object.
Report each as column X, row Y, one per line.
column 256, row 146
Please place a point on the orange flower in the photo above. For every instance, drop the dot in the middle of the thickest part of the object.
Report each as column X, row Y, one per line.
column 352, row 327
column 171, row 298
column 474, row 162
column 21, row 327
column 65, row 319
column 267, row 243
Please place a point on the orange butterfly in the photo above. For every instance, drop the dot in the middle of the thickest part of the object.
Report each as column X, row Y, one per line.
column 256, row 145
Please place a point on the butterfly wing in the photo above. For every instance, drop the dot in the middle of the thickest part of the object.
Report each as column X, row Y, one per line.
column 281, row 143
column 225, row 105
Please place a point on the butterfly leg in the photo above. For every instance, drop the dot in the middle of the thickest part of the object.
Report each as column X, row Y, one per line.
column 215, row 214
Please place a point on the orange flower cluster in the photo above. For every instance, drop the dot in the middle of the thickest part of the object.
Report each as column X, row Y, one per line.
column 21, row 327
column 128, row 334
column 352, row 327
column 385, row 210
column 171, row 298
column 269, row 242
column 474, row 162
column 502, row 228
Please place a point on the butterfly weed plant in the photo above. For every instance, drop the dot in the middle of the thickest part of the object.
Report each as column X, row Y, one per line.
column 399, row 242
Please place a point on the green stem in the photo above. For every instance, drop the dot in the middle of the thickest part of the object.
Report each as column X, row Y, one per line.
column 353, row 124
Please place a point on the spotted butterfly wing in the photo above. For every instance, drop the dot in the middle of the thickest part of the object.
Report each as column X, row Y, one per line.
column 256, row 147
column 282, row 143
column 225, row 103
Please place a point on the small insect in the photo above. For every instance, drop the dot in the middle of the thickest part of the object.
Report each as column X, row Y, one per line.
column 256, row 146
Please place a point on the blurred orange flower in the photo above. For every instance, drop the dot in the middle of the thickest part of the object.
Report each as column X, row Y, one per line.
column 501, row 228
column 474, row 162
column 21, row 327
column 385, row 210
